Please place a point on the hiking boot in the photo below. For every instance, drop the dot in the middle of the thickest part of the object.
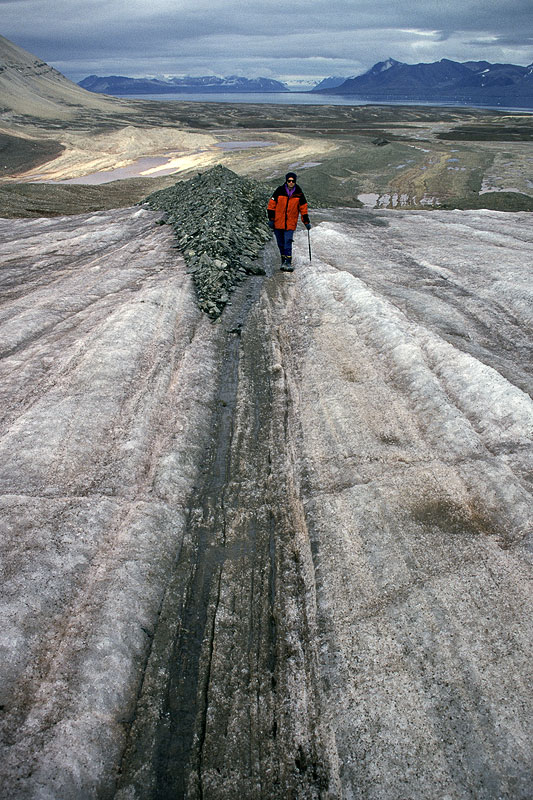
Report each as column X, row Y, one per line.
column 287, row 266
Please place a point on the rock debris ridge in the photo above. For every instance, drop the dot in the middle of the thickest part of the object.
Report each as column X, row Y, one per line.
column 220, row 223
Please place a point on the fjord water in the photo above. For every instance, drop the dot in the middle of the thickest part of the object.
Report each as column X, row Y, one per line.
column 306, row 98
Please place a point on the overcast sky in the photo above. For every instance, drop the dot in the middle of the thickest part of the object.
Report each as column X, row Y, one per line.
column 284, row 39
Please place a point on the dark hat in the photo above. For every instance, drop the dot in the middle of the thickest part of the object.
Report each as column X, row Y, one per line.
column 290, row 175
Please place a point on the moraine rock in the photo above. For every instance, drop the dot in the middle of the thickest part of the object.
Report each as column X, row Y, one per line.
column 220, row 223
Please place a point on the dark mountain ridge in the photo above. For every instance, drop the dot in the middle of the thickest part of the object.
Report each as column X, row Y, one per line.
column 120, row 84
column 471, row 81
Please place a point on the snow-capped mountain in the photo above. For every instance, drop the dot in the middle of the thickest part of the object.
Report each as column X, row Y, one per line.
column 471, row 81
column 329, row 83
column 119, row 84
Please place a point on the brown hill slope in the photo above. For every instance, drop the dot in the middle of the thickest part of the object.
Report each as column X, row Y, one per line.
column 30, row 87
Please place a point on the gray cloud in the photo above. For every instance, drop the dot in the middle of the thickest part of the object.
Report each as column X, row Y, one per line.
column 306, row 37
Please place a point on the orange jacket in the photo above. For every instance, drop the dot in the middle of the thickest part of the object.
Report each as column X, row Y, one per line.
column 284, row 210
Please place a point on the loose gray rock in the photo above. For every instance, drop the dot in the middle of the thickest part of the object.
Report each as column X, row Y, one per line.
column 220, row 223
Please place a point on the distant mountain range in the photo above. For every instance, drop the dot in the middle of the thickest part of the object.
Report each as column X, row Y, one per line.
column 445, row 80
column 119, row 84
column 441, row 81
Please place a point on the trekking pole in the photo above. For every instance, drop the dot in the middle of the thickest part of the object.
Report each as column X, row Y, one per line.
column 309, row 243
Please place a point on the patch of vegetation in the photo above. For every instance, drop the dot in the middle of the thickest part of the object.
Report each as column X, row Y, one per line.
column 327, row 186
column 55, row 200
column 452, row 518
column 366, row 167
column 493, row 201
column 490, row 133
column 18, row 155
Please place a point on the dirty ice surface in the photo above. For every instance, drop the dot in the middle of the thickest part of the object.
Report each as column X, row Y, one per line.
column 411, row 342
column 402, row 359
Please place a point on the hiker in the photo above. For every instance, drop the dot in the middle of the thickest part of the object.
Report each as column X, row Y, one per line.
column 283, row 208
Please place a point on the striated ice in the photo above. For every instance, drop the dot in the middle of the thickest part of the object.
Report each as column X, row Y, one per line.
column 368, row 629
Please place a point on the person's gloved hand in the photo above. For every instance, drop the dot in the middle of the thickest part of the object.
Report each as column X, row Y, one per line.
column 271, row 224
column 308, row 226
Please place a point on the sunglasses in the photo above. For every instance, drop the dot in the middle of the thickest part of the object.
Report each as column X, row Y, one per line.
column 290, row 180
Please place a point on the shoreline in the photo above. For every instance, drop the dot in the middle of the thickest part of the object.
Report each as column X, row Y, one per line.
column 312, row 99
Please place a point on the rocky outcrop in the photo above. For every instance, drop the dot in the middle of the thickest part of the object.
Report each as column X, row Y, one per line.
column 287, row 554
